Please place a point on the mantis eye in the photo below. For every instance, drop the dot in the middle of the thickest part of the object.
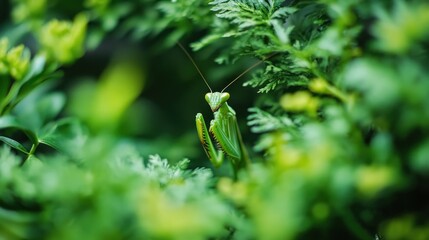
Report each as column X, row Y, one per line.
column 207, row 97
column 224, row 97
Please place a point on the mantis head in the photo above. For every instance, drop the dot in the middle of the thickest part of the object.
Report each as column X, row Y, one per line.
column 216, row 99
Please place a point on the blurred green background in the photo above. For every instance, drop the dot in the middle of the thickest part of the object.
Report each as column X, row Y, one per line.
column 97, row 109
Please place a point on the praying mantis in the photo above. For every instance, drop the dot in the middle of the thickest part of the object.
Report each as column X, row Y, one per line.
column 223, row 138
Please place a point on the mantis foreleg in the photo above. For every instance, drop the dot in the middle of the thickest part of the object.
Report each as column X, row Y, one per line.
column 215, row 156
column 227, row 134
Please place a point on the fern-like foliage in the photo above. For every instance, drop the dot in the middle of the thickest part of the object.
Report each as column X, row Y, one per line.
column 247, row 13
column 262, row 121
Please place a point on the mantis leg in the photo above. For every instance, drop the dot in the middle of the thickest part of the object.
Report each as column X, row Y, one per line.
column 226, row 132
column 215, row 156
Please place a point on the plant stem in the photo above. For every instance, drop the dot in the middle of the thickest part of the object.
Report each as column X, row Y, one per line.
column 31, row 153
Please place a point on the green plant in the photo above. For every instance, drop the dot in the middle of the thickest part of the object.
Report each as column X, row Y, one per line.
column 338, row 126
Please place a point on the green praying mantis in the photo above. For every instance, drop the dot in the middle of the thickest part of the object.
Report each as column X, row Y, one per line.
column 223, row 138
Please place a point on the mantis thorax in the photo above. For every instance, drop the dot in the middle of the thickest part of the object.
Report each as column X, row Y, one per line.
column 216, row 99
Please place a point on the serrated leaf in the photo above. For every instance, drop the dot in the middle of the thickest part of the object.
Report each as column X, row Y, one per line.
column 14, row 144
column 262, row 121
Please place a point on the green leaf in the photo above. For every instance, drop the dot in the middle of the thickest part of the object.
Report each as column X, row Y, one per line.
column 14, row 144
column 38, row 109
column 262, row 121
column 37, row 66
column 4, row 86
column 65, row 135
column 12, row 122
column 51, row 105
column 34, row 82
column 7, row 121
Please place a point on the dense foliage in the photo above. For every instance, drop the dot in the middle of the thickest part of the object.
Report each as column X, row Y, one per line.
column 94, row 94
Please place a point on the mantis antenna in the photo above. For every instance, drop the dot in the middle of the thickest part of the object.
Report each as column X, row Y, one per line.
column 235, row 79
column 195, row 65
column 248, row 69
